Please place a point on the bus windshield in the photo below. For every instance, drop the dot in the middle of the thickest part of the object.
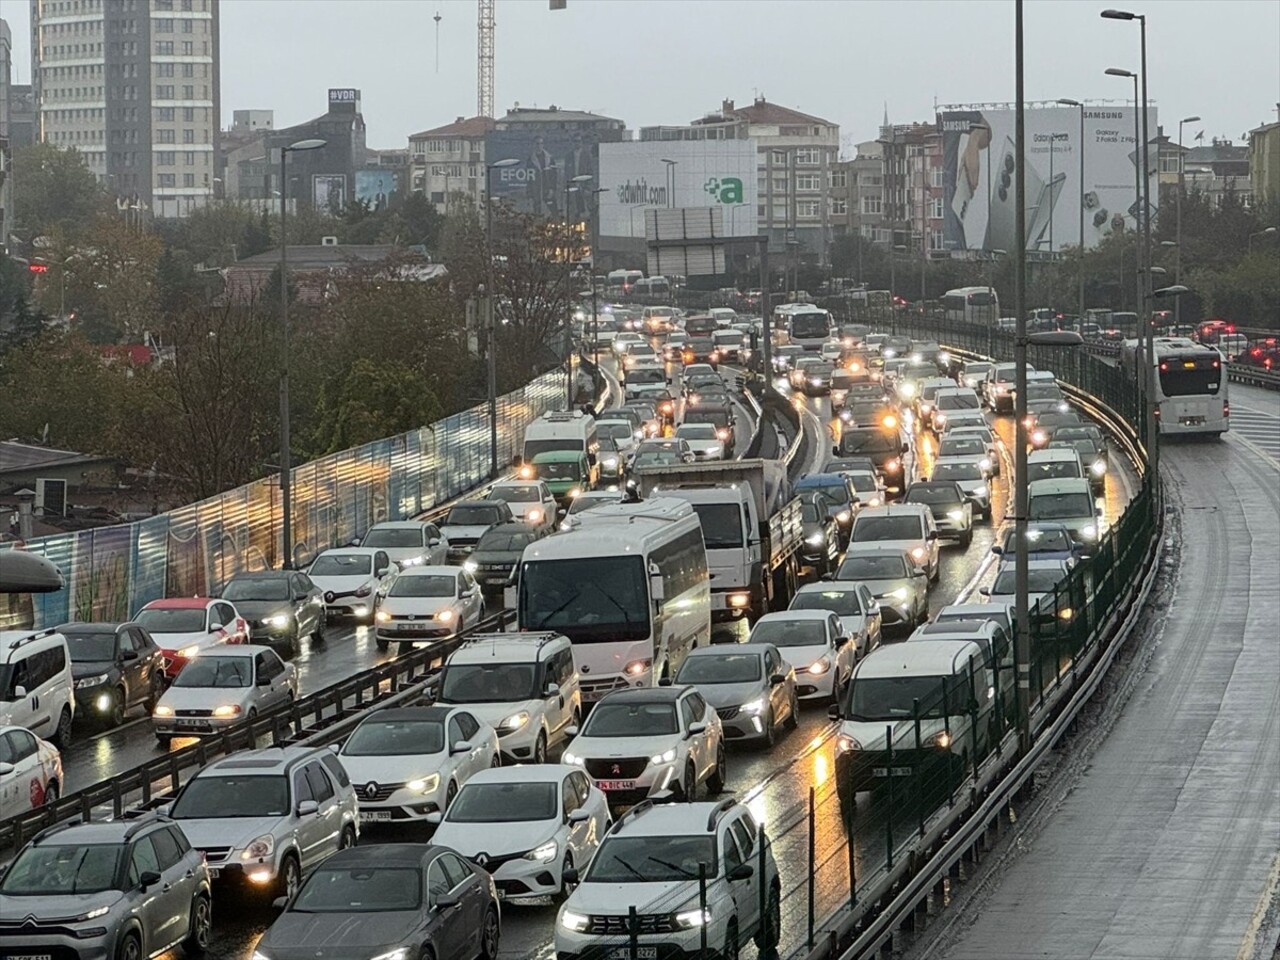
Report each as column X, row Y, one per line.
column 587, row 599
column 810, row 326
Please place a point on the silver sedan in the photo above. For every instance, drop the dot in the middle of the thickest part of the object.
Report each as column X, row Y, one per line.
column 221, row 688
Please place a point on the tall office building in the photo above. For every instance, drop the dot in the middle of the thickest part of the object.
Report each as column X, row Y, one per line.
column 134, row 86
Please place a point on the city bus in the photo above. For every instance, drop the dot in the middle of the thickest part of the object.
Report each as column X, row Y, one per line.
column 802, row 324
column 1191, row 384
column 628, row 584
column 973, row 305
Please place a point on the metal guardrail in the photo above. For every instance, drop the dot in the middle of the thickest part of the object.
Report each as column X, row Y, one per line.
column 1254, row 376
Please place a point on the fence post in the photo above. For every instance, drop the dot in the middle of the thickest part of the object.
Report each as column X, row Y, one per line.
column 813, row 839
column 633, row 931
column 702, row 910
column 760, row 872
column 920, row 801
column 853, row 871
column 951, row 757
column 973, row 717
column 888, row 820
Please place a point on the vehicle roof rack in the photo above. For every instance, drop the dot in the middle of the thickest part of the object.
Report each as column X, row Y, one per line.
column 643, row 807
column 32, row 637
column 539, row 637
column 143, row 822
column 57, row 828
column 719, row 810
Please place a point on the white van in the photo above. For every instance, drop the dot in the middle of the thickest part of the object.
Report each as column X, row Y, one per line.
column 901, row 685
column 574, row 431
column 36, row 687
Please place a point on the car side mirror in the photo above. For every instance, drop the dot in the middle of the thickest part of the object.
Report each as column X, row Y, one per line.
column 743, row 871
column 696, row 728
column 777, row 678
column 19, row 692
column 460, row 746
column 308, row 808
column 919, row 572
column 931, row 535
column 985, row 591
column 435, row 818
column 835, row 450
column 128, row 654
column 6, row 768
column 355, row 542
column 215, row 627
column 382, row 571
column 579, row 816
column 264, row 681
column 1098, row 512
column 998, row 550
column 280, row 902
column 570, row 876
column 1077, row 547
column 446, row 902
column 335, row 747
column 841, row 641
column 433, row 542
column 571, row 732
column 664, row 681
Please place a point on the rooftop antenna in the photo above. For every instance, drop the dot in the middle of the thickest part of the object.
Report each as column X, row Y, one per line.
column 437, row 18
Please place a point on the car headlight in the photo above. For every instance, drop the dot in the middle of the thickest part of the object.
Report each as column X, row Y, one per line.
column 95, row 680
column 637, row 667
column 940, row 419
column 907, row 389
column 609, row 463
column 575, row 493
column 754, row 707
column 279, row 620
column 985, row 464
column 382, row 617
column 571, row 758
column 844, row 516
column 93, row 914
column 813, row 540
column 514, row 722
column 535, row 515
column 1090, row 531
column 445, row 616
column 723, row 433
column 820, row 666
column 526, row 472
column 1098, row 467
column 425, row 784
column 227, row 710
column 846, row 416
column 259, row 955
column 944, row 358
column 942, row 739
column 470, row 566
column 666, row 756
column 893, row 466
column 186, row 653
column 544, row 853
column 918, row 554
column 847, row 744
column 900, row 594
column 411, row 561
column 692, row 919
column 889, row 422
column 259, row 849
column 739, row 600
column 575, row 922
column 873, row 502
column 162, row 710
column 815, row 381
column 956, row 515
column 399, row 953
column 917, row 358
column 1038, row 437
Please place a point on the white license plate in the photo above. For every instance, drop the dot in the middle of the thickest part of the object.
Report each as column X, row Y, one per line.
column 374, row 815
column 192, row 724
column 30, row 956
column 642, row 953
column 616, row 784
column 897, row 771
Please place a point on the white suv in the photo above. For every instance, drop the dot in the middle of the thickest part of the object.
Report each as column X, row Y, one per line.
column 653, row 858
column 522, row 684
column 647, row 742
column 36, row 687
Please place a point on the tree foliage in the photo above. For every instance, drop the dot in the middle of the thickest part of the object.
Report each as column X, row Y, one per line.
column 57, row 190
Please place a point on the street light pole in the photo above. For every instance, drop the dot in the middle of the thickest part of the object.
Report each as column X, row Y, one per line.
column 491, row 339
column 1022, row 629
column 1182, row 187
column 572, row 185
column 1065, row 101
column 286, row 463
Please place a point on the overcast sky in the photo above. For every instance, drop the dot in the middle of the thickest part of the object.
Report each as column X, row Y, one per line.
column 669, row 61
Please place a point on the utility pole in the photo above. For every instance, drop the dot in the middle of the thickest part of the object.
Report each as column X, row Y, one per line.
column 1022, row 629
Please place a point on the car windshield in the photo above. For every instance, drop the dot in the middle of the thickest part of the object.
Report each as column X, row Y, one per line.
column 617, row 431
column 418, row 585
column 60, row 870
column 842, row 602
column 720, row 668
column 957, row 471
column 254, row 588
column 494, row 682
column 868, row 529
column 471, row 516
column 888, row 567
column 1040, row 540
column 502, row 541
column 392, row 738
column 813, row 509
column 571, row 470
column 221, row 672
column 1060, row 506
column 504, row 803
column 176, row 621
column 722, row 525
column 1078, row 433
column 393, row 537
column 932, row 494
column 1053, row 470
column 696, row 431
column 518, row 493
column 1038, row 581
column 1043, row 391
column 631, row 719
column 790, row 633
column 837, row 492
column 362, row 889
column 214, row 797
column 864, row 482
column 869, row 441
column 659, row 457
column 88, row 647
column 653, row 860
column 342, row 565
column 959, row 401
column 896, row 698
column 712, row 417
column 962, row 447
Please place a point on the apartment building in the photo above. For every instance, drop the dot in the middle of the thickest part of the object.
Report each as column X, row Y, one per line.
column 133, row 85
column 1264, row 162
column 449, row 160
column 912, row 204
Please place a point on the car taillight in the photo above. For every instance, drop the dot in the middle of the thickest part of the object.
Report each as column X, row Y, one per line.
column 1226, row 409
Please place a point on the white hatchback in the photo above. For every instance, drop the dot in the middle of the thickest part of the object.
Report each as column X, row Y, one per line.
column 423, row 604
column 349, row 578
column 30, row 772
column 814, row 643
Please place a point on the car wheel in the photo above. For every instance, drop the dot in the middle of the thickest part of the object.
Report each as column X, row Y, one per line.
column 51, row 793
column 770, row 930
column 380, row 643
column 62, row 737
column 937, row 573
column 200, row 927
column 565, row 890
column 540, row 749
column 130, row 947
column 490, row 934
column 348, row 838
column 966, row 540
column 289, row 878
column 113, row 716
column 731, row 942
column 715, row 782
column 793, row 711
column 495, row 762
column 689, row 783
column 157, row 689
column 317, row 635
column 449, row 794
column 163, row 740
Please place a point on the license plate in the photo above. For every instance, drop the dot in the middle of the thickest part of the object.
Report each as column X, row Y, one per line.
column 1192, row 421
column 191, row 724
column 642, row 953
column 897, row 771
column 616, row 784
column 374, row 815
column 29, row 956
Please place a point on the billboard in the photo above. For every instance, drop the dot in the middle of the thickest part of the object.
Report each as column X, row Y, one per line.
column 548, row 161
column 979, row 161
column 329, row 193
column 636, row 177
column 375, row 188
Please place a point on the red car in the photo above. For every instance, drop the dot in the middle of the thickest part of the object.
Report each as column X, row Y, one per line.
column 185, row 626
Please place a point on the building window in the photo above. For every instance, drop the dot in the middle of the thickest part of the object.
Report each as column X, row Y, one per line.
column 188, row 48
column 935, row 177
column 1168, row 163
column 808, row 181
column 165, row 158
column 436, row 146
column 188, row 179
column 164, row 114
column 807, row 209
column 839, row 179
column 163, row 69
column 164, row 91
column 872, row 205
column 839, row 208
column 189, row 136
column 188, row 92
column 189, row 71
column 164, row 48
column 189, row 158
column 935, row 208
column 164, row 136
column 188, row 26
column 807, row 156
column 937, row 240
column 164, row 26
column 166, row 180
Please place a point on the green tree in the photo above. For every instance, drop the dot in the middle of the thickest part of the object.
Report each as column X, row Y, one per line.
column 57, row 190
column 59, row 388
column 374, row 400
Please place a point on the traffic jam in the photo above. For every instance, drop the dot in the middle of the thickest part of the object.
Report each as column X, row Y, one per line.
column 695, row 636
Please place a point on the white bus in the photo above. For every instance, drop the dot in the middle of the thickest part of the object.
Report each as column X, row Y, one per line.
column 975, row 305
column 628, row 584
column 802, row 324
column 1191, row 384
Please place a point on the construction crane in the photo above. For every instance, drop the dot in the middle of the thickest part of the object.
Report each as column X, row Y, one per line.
column 485, row 22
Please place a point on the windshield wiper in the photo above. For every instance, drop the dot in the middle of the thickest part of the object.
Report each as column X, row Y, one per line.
column 630, row 869
column 671, row 866
column 543, row 621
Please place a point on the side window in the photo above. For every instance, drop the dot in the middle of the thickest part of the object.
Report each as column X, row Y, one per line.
column 456, row 870
column 468, row 725
column 21, row 677
column 432, row 532
column 179, row 839
column 227, row 613
column 125, row 641
column 833, row 625
column 262, row 667
column 699, row 706
column 455, row 731
column 21, row 744
column 142, row 641
column 166, row 848
column 336, row 769
column 321, row 788
column 300, row 584
column 686, row 712
column 746, row 839
column 215, row 616
column 6, row 749
column 142, row 860
column 301, row 788
column 582, row 785
column 381, row 561
column 437, row 883
column 732, row 855
column 569, row 796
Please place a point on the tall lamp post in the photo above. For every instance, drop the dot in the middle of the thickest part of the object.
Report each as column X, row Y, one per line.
column 286, row 464
column 1068, row 102
column 572, row 185
column 595, row 243
column 490, row 320
column 1177, row 217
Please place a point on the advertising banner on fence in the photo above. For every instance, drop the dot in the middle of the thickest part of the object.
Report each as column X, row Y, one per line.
column 548, row 161
column 979, row 163
column 649, row 174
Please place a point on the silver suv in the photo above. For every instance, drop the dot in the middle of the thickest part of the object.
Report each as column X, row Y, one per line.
column 265, row 817
column 122, row 890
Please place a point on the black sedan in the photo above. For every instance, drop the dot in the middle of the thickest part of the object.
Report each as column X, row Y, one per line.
column 392, row 900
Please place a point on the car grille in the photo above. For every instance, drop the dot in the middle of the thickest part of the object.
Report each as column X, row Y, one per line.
column 595, row 689
column 193, row 713
column 727, row 713
column 380, row 791
column 491, row 863
column 626, row 769
column 216, row 855
column 620, row 924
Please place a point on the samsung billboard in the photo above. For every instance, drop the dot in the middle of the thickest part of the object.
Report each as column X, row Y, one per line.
column 656, row 174
column 980, row 159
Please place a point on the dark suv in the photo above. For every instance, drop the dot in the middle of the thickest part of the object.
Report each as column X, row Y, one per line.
column 282, row 607
column 118, row 890
column 115, row 666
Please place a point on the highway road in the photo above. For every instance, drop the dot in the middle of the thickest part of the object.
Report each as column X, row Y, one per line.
column 1168, row 843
